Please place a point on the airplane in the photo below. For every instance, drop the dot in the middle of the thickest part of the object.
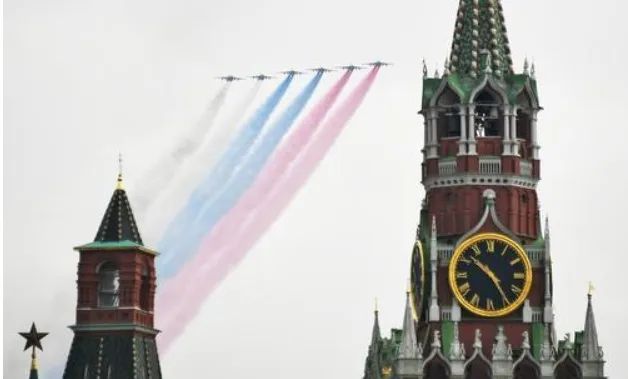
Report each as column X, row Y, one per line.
column 378, row 64
column 261, row 77
column 351, row 67
column 229, row 78
column 291, row 72
column 321, row 69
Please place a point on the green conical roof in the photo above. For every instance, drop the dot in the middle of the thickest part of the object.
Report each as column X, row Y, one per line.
column 118, row 223
column 480, row 40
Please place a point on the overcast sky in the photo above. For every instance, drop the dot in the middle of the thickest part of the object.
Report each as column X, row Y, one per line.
column 86, row 79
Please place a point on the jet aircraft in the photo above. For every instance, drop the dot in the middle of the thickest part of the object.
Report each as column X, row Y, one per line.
column 351, row 67
column 261, row 77
column 229, row 78
column 291, row 72
column 321, row 69
column 378, row 64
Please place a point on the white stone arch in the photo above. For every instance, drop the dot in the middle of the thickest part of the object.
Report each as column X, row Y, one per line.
column 566, row 358
column 526, row 356
column 437, row 354
column 493, row 85
column 477, row 354
column 444, row 85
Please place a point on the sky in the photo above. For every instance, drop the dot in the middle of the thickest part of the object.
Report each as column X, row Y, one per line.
column 85, row 80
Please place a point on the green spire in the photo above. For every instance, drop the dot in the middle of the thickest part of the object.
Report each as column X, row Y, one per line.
column 480, row 41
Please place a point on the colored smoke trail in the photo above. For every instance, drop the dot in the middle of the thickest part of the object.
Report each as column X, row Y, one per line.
column 157, row 177
column 180, row 187
column 243, row 176
column 237, row 232
column 179, row 229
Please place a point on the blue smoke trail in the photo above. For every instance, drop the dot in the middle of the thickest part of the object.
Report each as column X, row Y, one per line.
column 179, row 229
column 227, row 196
column 250, row 168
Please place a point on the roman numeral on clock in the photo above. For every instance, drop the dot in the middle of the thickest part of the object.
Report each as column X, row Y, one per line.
column 476, row 249
column 490, row 246
column 464, row 289
column 519, row 275
column 489, row 305
column 516, row 290
column 475, row 300
column 462, row 275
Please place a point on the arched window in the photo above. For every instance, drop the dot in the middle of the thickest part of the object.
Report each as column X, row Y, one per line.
column 436, row 369
column 567, row 368
column 527, row 369
column 145, row 290
column 449, row 114
column 109, row 285
column 478, row 369
column 488, row 121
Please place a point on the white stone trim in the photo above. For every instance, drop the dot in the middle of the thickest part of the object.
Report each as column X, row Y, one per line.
column 471, row 179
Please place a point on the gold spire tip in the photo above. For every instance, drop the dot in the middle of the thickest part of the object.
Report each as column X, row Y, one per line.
column 34, row 365
column 591, row 288
column 120, row 183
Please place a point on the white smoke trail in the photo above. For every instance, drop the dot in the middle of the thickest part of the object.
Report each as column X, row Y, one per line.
column 157, row 177
column 182, row 183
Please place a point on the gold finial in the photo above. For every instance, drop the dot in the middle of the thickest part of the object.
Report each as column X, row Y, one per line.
column 591, row 288
column 120, row 184
column 34, row 365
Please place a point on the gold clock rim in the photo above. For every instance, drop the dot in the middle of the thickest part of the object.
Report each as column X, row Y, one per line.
column 479, row 311
column 412, row 298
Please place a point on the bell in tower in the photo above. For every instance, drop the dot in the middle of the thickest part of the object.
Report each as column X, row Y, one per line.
column 114, row 337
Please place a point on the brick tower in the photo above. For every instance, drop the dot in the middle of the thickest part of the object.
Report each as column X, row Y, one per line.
column 114, row 336
column 480, row 304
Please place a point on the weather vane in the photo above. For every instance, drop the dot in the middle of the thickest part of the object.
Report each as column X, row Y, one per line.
column 33, row 339
column 120, row 164
column 120, row 185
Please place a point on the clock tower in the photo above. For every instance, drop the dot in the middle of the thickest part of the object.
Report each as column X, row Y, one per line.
column 480, row 303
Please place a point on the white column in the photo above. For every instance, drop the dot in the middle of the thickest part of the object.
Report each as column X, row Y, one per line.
column 534, row 135
column 426, row 137
column 507, row 140
column 432, row 147
column 472, row 143
column 462, row 144
column 434, row 312
column 513, row 132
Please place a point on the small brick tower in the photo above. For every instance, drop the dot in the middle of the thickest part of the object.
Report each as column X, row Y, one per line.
column 114, row 336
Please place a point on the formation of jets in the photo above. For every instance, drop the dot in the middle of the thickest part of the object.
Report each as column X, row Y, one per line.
column 262, row 77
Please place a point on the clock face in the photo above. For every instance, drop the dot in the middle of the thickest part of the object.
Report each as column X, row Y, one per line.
column 490, row 275
column 417, row 278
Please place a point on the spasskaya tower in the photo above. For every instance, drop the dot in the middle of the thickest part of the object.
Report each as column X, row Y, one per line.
column 481, row 298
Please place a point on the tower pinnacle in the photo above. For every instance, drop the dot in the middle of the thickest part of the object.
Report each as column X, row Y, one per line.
column 590, row 346
column 408, row 348
column 480, row 27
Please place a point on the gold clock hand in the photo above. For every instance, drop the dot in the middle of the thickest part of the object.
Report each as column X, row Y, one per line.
column 492, row 276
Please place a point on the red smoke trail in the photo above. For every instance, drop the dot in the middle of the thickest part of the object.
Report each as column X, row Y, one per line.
column 287, row 171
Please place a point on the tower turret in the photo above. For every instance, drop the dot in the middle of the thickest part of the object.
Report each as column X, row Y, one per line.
column 373, row 366
column 114, row 335
column 407, row 362
column 591, row 353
